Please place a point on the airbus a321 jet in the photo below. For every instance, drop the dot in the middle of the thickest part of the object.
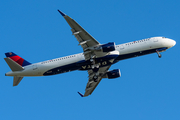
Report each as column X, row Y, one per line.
column 96, row 58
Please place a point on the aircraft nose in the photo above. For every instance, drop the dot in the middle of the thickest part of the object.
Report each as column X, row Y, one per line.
column 173, row 42
column 169, row 42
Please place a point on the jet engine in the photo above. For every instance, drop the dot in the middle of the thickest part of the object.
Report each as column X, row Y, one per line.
column 108, row 47
column 113, row 74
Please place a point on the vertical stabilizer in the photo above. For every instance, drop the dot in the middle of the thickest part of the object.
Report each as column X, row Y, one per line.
column 19, row 60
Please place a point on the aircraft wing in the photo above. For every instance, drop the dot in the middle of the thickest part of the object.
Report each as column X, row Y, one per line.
column 90, row 47
column 91, row 85
column 87, row 42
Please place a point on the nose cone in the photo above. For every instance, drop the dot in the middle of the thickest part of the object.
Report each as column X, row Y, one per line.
column 170, row 43
column 173, row 43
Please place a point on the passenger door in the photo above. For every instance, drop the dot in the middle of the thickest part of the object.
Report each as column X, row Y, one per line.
column 35, row 67
column 121, row 47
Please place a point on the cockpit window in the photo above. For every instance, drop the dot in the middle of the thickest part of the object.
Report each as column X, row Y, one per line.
column 163, row 37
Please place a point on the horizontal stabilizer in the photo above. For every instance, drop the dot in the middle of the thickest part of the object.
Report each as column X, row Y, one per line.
column 17, row 80
column 13, row 65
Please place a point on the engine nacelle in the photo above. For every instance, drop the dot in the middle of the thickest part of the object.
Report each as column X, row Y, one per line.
column 108, row 47
column 113, row 74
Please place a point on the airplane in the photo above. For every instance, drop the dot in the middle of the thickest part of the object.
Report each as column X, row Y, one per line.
column 96, row 58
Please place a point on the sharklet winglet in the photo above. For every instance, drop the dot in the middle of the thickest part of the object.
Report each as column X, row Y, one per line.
column 80, row 94
column 61, row 13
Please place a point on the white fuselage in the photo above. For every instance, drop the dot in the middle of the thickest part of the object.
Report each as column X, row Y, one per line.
column 69, row 63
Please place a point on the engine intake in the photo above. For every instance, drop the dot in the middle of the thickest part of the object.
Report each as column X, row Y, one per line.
column 108, row 47
column 113, row 74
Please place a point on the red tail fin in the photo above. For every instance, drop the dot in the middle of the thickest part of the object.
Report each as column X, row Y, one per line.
column 17, row 59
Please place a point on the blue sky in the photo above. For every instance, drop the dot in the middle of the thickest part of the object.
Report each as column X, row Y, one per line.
column 149, row 86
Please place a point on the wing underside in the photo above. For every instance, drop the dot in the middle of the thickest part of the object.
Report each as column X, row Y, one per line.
column 87, row 42
column 91, row 85
column 83, row 37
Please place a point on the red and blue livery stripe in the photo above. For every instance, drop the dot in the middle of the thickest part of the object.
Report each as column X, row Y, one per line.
column 17, row 59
